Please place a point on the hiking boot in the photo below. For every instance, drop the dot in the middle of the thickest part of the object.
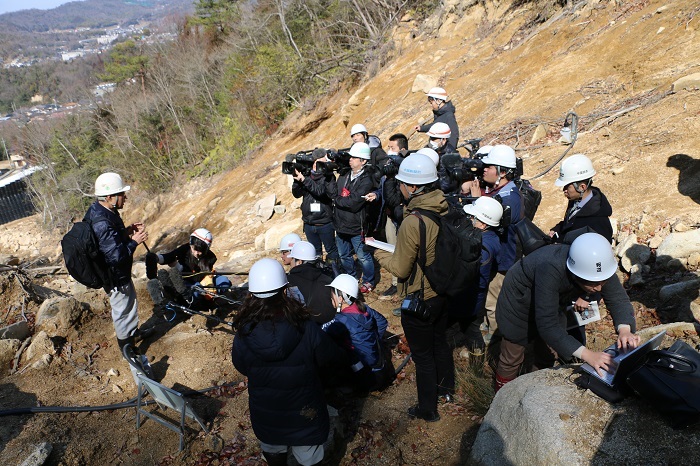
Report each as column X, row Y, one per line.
column 142, row 333
column 387, row 295
column 366, row 288
column 416, row 413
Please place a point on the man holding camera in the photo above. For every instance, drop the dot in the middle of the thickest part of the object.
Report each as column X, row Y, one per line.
column 500, row 169
column 426, row 336
column 350, row 196
column 317, row 207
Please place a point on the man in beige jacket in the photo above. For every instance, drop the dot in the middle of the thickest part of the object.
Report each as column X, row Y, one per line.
column 426, row 337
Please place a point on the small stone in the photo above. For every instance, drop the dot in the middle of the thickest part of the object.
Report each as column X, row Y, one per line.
column 112, row 373
column 661, row 9
column 691, row 81
column 464, row 354
column 39, row 455
column 116, row 388
column 280, row 209
column 694, row 259
column 538, row 134
column 618, row 170
column 564, row 416
column 680, row 227
column 191, row 219
column 655, row 241
column 661, row 29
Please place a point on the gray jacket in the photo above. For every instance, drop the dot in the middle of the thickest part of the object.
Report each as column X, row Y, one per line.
column 535, row 294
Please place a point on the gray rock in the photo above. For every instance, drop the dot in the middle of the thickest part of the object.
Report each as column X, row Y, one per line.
column 58, row 315
column 535, row 419
column 16, row 331
column 138, row 270
column 678, row 245
column 677, row 290
column 41, row 344
column 8, row 349
column 625, row 244
column 692, row 81
column 636, row 277
column 264, row 208
column 279, row 209
column 638, row 254
column 543, row 419
column 538, row 134
column 655, row 241
column 39, row 455
column 423, row 83
column 275, row 234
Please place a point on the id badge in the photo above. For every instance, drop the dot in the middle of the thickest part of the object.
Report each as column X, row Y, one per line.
column 315, row 207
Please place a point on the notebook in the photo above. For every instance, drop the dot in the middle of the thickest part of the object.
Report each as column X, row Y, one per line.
column 625, row 360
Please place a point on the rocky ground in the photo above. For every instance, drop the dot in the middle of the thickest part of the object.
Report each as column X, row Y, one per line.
column 514, row 70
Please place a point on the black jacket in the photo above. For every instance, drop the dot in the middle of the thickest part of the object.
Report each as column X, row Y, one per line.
column 595, row 214
column 314, row 190
column 535, row 294
column 311, row 281
column 285, row 395
column 445, row 114
column 183, row 256
column 116, row 246
column 349, row 216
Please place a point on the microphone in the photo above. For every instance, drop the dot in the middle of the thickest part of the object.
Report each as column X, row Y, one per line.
column 155, row 290
column 178, row 282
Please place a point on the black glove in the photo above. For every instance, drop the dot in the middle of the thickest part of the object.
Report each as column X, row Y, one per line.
column 151, row 265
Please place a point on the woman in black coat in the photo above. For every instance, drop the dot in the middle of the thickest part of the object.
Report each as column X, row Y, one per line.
column 281, row 350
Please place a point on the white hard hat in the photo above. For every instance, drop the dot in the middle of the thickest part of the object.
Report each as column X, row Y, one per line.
column 266, row 278
column 303, row 250
column 440, row 130
column 591, row 258
column 203, row 234
column 484, row 150
column 438, row 93
column 358, row 128
column 360, row 150
column 109, row 183
column 430, row 153
column 346, row 284
column 417, row 169
column 486, row 209
column 288, row 241
column 501, row 155
column 578, row 167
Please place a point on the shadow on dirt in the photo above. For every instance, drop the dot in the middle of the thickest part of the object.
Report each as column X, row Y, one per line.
column 11, row 426
column 688, row 175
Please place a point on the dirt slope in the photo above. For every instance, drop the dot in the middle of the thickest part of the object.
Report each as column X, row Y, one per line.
column 508, row 69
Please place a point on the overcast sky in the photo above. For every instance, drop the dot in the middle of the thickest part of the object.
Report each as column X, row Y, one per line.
column 13, row 5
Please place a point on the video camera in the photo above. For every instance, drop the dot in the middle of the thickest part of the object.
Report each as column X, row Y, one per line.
column 339, row 161
column 462, row 169
column 302, row 161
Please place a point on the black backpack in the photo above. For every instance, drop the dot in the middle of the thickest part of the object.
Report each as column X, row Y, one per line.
column 457, row 252
column 83, row 258
column 531, row 197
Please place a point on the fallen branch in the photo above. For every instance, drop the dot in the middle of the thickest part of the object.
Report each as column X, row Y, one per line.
column 18, row 355
column 614, row 117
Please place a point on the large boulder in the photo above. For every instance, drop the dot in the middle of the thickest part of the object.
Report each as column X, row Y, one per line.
column 542, row 418
column 632, row 253
column 677, row 247
column 58, row 315
column 274, row 235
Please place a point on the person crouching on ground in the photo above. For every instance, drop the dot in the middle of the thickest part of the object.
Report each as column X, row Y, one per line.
column 281, row 351
column 192, row 261
column 359, row 329
column 535, row 294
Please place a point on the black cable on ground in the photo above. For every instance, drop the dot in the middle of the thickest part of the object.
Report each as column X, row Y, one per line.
column 403, row 364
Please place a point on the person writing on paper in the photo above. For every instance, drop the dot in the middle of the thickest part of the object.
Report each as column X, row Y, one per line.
column 536, row 292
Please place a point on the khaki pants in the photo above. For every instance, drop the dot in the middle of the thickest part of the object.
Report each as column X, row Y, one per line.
column 492, row 296
column 391, row 234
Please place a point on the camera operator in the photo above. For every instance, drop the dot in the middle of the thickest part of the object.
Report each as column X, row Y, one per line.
column 397, row 150
column 350, row 195
column 499, row 172
column 444, row 112
column 317, row 207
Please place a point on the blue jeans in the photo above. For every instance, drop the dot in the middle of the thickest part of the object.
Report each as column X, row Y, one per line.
column 346, row 245
column 317, row 234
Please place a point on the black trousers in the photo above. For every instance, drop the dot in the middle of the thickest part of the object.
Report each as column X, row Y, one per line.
column 432, row 356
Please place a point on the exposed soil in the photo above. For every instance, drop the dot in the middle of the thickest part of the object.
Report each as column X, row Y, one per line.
column 508, row 69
